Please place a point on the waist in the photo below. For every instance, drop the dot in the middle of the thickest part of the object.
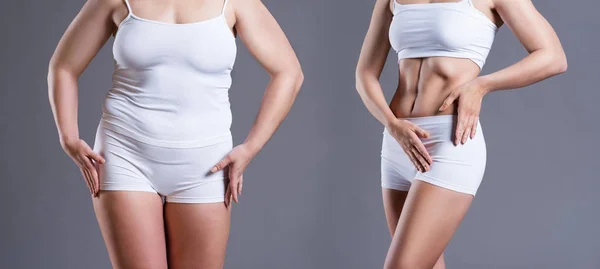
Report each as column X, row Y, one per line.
column 425, row 83
column 440, row 127
column 159, row 129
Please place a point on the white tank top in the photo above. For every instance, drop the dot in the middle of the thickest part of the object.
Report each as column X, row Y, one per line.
column 170, row 84
column 450, row 29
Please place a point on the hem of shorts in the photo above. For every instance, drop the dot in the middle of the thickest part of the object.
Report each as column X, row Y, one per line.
column 445, row 185
column 106, row 124
column 395, row 187
column 120, row 187
column 195, row 200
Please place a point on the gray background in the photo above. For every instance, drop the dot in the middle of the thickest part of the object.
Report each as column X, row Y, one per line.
column 312, row 197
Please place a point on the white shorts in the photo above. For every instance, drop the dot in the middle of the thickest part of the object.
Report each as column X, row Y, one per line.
column 459, row 168
column 181, row 175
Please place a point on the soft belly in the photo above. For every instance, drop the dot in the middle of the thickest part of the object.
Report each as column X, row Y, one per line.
column 165, row 109
column 424, row 84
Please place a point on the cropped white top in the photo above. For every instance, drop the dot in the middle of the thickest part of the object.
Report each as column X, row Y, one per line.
column 450, row 29
column 170, row 84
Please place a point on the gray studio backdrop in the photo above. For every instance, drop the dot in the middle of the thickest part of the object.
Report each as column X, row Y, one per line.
column 312, row 197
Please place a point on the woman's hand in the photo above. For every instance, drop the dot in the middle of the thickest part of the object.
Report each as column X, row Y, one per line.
column 237, row 160
column 469, row 97
column 408, row 136
column 85, row 157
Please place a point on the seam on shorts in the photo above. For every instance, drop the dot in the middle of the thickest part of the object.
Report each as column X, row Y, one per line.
column 195, row 200
column 126, row 187
column 399, row 187
column 444, row 185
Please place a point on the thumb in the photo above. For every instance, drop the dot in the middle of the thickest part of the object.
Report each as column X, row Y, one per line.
column 93, row 155
column 221, row 164
column 421, row 132
column 96, row 157
column 449, row 100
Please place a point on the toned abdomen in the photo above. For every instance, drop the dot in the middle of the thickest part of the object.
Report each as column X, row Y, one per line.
column 424, row 84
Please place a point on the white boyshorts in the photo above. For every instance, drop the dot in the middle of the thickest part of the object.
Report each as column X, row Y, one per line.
column 180, row 175
column 459, row 168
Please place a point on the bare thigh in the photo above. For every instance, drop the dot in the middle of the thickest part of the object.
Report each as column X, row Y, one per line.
column 429, row 217
column 197, row 235
column 133, row 228
column 393, row 202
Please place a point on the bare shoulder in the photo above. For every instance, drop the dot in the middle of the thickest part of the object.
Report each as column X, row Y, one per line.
column 107, row 4
column 246, row 9
column 241, row 4
column 500, row 2
column 509, row 3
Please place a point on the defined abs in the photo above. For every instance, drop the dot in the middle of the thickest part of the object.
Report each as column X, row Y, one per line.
column 424, row 84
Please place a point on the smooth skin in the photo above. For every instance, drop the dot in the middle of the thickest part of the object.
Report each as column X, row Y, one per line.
column 423, row 220
column 136, row 226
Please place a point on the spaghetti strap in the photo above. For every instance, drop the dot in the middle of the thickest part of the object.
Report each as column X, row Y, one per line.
column 224, row 6
column 128, row 7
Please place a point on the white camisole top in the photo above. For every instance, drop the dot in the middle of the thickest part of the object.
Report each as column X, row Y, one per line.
column 449, row 29
column 170, row 84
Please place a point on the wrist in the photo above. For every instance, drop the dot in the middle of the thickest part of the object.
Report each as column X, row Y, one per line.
column 254, row 147
column 68, row 139
column 389, row 122
column 484, row 84
column 395, row 125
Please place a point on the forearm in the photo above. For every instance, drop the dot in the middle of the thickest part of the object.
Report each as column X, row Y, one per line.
column 276, row 103
column 372, row 96
column 537, row 66
column 62, row 93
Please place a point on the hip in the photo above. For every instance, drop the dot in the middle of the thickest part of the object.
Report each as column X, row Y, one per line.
column 439, row 144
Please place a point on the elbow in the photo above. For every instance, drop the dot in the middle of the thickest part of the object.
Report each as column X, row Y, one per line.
column 295, row 78
column 359, row 79
column 57, row 70
column 561, row 65
column 299, row 79
column 52, row 76
column 558, row 63
column 52, row 68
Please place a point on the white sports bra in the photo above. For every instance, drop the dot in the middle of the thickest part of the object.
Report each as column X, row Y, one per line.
column 450, row 29
column 170, row 84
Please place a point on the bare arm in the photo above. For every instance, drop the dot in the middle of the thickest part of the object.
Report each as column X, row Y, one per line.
column 268, row 44
column 368, row 70
column 546, row 56
column 82, row 40
column 371, row 61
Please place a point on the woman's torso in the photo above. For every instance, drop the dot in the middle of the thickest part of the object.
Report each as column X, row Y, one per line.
column 440, row 46
column 171, row 79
